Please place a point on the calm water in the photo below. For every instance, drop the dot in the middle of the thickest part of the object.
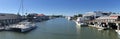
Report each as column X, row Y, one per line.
column 61, row 28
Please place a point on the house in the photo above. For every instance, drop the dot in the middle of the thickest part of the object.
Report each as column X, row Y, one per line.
column 42, row 17
column 6, row 19
column 37, row 17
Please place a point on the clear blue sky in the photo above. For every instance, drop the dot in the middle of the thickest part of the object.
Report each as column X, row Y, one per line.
column 64, row 7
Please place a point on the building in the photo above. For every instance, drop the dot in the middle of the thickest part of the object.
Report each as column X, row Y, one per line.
column 42, row 17
column 110, row 21
column 6, row 19
column 95, row 14
column 37, row 17
column 111, row 18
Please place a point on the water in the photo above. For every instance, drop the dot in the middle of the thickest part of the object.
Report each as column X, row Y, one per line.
column 61, row 28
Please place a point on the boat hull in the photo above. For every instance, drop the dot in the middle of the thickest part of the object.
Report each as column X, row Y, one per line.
column 23, row 30
column 81, row 24
column 118, row 31
column 101, row 28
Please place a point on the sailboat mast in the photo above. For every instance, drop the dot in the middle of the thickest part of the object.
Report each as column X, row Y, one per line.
column 21, row 8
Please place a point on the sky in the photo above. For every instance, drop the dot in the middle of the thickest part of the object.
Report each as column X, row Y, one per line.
column 60, row 7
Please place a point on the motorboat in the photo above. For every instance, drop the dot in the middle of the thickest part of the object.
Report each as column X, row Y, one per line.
column 80, row 22
column 118, row 30
column 69, row 18
column 23, row 26
column 102, row 27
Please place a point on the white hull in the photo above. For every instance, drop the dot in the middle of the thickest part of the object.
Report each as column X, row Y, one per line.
column 118, row 31
column 23, row 27
column 101, row 28
column 27, row 29
column 80, row 24
column 69, row 18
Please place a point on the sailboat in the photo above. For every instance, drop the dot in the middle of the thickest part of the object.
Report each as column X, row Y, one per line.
column 23, row 26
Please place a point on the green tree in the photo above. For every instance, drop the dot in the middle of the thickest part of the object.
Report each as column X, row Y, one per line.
column 80, row 15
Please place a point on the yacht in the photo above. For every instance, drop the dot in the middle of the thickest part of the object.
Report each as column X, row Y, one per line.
column 23, row 27
column 80, row 22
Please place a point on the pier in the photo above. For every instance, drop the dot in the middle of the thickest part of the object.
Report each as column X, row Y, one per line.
column 111, row 21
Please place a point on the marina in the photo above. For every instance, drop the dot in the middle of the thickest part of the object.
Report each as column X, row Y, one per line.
column 59, row 19
column 61, row 28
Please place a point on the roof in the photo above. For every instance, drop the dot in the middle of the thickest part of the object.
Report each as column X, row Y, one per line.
column 40, row 15
column 8, row 16
column 107, row 17
column 89, row 14
column 115, row 15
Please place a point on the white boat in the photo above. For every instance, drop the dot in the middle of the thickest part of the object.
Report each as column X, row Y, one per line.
column 118, row 30
column 23, row 26
column 80, row 22
column 69, row 18
column 101, row 27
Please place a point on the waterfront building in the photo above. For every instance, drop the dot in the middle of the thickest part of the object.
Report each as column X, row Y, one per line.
column 110, row 21
column 37, row 17
column 95, row 14
column 111, row 18
column 42, row 17
column 6, row 19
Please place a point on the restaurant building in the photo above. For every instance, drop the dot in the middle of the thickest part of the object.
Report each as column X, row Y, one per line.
column 7, row 19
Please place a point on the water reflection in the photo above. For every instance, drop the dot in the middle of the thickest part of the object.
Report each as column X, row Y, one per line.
column 78, row 28
column 119, row 36
column 104, row 34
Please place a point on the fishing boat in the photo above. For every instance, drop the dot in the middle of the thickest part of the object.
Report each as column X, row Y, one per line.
column 23, row 27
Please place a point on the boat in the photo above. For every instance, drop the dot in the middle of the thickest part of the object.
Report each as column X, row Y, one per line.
column 80, row 22
column 118, row 30
column 102, row 26
column 23, row 27
column 2, row 28
column 69, row 18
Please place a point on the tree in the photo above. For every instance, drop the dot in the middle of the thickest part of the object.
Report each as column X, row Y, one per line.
column 80, row 15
